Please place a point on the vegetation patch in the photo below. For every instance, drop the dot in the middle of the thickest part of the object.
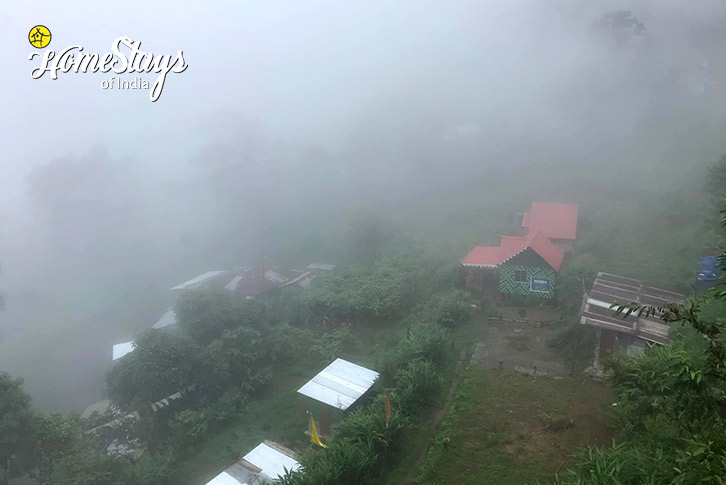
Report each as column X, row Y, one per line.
column 506, row 428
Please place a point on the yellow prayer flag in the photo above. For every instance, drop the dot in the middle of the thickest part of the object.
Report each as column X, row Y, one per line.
column 314, row 438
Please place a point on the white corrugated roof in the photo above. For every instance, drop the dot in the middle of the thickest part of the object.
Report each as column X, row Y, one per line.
column 271, row 461
column 119, row 350
column 275, row 277
column 268, row 464
column 168, row 318
column 321, row 266
column 303, row 280
column 198, row 280
column 340, row 384
column 232, row 285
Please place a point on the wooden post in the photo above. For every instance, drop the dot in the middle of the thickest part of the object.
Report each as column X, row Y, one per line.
column 596, row 362
column 324, row 419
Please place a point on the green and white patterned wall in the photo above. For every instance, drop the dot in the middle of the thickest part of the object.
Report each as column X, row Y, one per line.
column 535, row 269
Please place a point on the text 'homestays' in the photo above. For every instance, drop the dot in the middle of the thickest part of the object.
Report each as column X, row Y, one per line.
column 128, row 60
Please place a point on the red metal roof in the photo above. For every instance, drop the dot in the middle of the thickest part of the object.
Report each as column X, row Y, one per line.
column 484, row 256
column 555, row 221
column 510, row 246
column 546, row 249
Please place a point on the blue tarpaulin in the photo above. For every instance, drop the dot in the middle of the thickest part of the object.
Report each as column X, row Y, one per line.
column 709, row 273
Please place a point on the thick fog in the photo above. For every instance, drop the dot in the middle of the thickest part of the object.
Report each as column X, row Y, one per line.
column 296, row 121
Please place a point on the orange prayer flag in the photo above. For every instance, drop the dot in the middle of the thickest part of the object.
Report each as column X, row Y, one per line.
column 388, row 410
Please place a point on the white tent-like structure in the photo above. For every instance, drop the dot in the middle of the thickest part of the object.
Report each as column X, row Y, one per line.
column 340, row 384
column 264, row 464
column 167, row 319
column 119, row 350
column 198, row 281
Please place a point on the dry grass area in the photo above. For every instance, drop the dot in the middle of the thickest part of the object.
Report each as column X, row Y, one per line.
column 506, row 428
column 518, row 346
column 542, row 314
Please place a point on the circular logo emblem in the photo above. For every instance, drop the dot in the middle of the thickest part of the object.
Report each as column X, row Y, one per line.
column 39, row 36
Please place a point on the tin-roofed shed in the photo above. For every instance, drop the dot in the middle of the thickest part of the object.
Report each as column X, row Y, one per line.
column 264, row 464
column 620, row 332
column 340, row 385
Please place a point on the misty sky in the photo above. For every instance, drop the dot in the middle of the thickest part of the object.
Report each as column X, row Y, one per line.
column 384, row 92
column 308, row 71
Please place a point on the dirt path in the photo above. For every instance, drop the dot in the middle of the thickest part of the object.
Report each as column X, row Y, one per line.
column 436, row 418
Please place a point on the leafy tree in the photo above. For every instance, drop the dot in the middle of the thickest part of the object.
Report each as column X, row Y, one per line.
column 53, row 436
column 243, row 357
column 162, row 363
column 16, row 425
column 205, row 314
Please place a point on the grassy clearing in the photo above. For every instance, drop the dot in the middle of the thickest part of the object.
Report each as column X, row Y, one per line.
column 506, row 428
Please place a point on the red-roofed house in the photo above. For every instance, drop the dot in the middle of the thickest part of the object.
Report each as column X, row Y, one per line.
column 525, row 265
column 519, row 265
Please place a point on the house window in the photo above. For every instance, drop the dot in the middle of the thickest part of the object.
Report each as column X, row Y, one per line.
column 520, row 275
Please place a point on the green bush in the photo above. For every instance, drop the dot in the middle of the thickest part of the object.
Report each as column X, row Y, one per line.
column 379, row 291
column 573, row 342
column 189, row 427
column 449, row 308
column 424, row 341
column 242, row 356
column 289, row 343
column 205, row 314
column 415, row 384
column 330, row 345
